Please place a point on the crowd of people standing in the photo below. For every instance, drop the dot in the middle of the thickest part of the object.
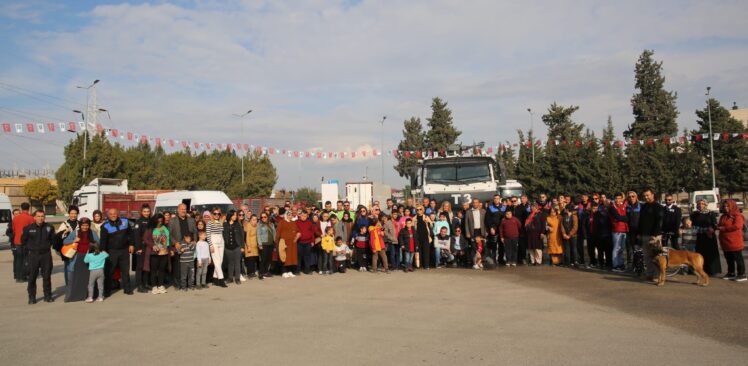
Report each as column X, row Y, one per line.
column 187, row 250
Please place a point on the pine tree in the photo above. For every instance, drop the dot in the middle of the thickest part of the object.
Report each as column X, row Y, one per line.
column 531, row 174
column 413, row 140
column 442, row 132
column 691, row 174
column 730, row 150
column 506, row 155
column 564, row 159
column 650, row 165
column 611, row 178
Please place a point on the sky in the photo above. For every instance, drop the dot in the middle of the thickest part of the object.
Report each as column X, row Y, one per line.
column 320, row 75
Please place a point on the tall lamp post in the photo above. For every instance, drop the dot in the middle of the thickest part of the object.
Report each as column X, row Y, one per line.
column 85, row 140
column 532, row 132
column 711, row 138
column 381, row 146
column 241, row 116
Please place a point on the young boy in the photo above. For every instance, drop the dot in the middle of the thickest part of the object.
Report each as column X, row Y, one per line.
column 406, row 237
column 441, row 247
column 202, row 254
column 688, row 235
column 478, row 251
column 187, row 262
column 360, row 241
column 509, row 231
column 328, row 247
column 342, row 252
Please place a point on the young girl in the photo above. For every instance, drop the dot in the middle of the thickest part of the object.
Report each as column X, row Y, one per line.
column 378, row 248
column 202, row 255
column 328, row 247
column 341, row 254
column 95, row 259
column 477, row 259
column 688, row 235
column 360, row 241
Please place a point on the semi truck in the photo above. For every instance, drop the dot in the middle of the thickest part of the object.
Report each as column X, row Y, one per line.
column 461, row 174
column 105, row 193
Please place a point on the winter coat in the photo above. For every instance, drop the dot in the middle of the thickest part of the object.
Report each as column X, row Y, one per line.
column 731, row 228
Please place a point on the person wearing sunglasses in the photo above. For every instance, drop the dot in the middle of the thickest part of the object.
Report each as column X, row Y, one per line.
column 266, row 244
column 215, row 239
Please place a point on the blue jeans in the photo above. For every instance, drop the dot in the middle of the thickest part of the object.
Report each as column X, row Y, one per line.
column 69, row 266
column 395, row 255
column 408, row 259
column 619, row 245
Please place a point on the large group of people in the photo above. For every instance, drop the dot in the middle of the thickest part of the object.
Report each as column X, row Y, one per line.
column 187, row 250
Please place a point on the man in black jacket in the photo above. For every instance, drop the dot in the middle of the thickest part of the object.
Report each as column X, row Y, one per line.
column 521, row 211
column 38, row 238
column 138, row 231
column 115, row 240
column 650, row 231
column 671, row 222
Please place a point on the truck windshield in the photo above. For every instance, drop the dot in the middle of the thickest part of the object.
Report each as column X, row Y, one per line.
column 511, row 192
column 470, row 172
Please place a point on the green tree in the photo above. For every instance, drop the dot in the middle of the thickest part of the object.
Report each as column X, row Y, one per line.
column 691, row 174
column 569, row 170
column 414, row 139
column 442, row 131
column 531, row 174
column 102, row 160
column 730, row 151
column 41, row 190
column 655, row 113
column 612, row 159
column 506, row 156
column 308, row 196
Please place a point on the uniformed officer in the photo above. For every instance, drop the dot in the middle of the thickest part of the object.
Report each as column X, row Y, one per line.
column 138, row 230
column 115, row 240
column 38, row 238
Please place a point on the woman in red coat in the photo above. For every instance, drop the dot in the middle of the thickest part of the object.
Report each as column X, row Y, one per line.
column 731, row 240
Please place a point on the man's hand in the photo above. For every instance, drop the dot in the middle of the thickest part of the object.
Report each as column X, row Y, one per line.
column 131, row 249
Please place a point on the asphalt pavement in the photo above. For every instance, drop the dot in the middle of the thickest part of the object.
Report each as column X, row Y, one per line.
column 523, row 315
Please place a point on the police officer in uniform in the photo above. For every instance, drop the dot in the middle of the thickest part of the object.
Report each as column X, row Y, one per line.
column 138, row 230
column 38, row 238
column 115, row 240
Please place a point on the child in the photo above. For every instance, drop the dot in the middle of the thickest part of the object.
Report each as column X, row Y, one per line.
column 441, row 247
column 202, row 254
column 342, row 251
column 688, row 235
column 378, row 248
column 328, row 247
column 406, row 237
column 187, row 262
column 95, row 259
column 510, row 230
column 478, row 251
column 360, row 241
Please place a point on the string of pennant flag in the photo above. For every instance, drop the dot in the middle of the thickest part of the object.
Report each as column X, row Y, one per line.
column 128, row 136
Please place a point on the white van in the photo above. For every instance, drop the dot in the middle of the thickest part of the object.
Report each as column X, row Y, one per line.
column 195, row 200
column 711, row 197
column 6, row 211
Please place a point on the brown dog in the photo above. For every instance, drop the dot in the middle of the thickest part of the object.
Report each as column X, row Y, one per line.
column 676, row 258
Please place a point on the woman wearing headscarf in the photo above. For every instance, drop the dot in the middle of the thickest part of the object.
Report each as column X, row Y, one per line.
column 705, row 223
column 286, row 235
column 731, row 240
column 555, row 246
column 251, row 247
column 77, row 288
column 535, row 227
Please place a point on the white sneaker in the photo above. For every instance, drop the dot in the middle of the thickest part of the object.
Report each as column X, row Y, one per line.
column 285, row 275
column 162, row 290
column 320, row 272
column 290, row 274
column 89, row 300
column 155, row 290
column 242, row 278
column 475, row 266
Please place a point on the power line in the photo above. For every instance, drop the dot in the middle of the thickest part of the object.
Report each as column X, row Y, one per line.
column 30, row 115
column 25, row 91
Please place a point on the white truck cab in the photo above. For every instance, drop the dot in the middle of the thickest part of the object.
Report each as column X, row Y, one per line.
column 711, row 197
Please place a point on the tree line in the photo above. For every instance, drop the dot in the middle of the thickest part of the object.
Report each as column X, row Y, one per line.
column 608, row 168
column 149, row 167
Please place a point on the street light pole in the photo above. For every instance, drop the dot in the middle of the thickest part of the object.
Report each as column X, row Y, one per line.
column 381, row 147
column 241, row 116
column 711, row 138
column 532, row 134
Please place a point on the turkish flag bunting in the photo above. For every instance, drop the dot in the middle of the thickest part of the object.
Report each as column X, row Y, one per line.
column 725, row 136
column 158, row 141
column 99, row 128
column 171, row 143
column 51, row 127
column 578, row 143
column 143, row 139
column 115, row 132
column 6, row 127
column 29, row 127
column 71, row 126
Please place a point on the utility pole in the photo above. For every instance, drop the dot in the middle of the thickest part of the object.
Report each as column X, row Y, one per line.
column 381, row 148
column 532, row 134
column 711, row 138
column 90, row 116
column 241, row 116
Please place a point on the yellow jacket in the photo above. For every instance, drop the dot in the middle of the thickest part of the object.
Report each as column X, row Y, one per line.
column 328, row 243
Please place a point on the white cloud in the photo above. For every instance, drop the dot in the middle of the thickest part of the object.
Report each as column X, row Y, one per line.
column 321, row 74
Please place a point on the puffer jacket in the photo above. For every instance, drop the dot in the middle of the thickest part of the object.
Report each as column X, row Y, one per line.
column 731, row 228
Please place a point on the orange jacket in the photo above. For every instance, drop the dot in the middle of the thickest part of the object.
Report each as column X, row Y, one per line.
column 19, row 223
column 731, row 228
